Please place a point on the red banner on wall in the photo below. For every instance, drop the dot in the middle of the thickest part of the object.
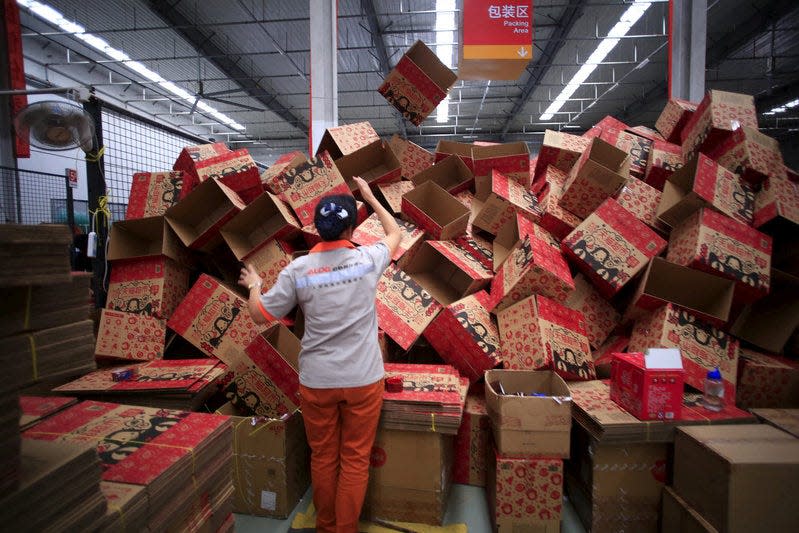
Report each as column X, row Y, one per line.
column 497, row 29
column 16, row 70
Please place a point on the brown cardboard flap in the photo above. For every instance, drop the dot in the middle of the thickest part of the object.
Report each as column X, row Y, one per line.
column 439, row 276
column 370, row 162
column 260, row 221
column 444, row 209
column 499, row 150
column 453, row 147
column 679, row 201
column 205, row 207
column 145, row 237
column 450, row 174
column 285, row 342
column 442, row 76
column 770, row 321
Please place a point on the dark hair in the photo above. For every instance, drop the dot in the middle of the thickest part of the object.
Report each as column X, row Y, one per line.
column 333, row 215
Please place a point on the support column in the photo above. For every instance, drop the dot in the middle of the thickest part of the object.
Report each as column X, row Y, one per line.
column 95, row 181
column 324, row 70
column 687, row 47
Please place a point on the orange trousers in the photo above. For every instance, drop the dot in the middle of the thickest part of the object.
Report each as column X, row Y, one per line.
column 341, row 425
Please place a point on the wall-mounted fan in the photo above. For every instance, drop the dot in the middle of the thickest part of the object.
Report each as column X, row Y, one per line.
column 56, row 125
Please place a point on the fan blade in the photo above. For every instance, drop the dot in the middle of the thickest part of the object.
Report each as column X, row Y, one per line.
column 223, row 93
column 194, row 106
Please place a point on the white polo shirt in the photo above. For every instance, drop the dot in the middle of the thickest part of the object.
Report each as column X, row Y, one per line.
column 335, row 285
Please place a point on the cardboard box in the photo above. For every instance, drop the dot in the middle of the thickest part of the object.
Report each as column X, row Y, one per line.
column 664, row 159
column 189, row 157
column 264, row 219
column 777, row 204
column 266, row 374
column 559, row 150
column 646, row 133
column 769, row 322
column 785, row 419
column 600, row 173
column 235, row 169
column 766, row 381
column 611, row 247
column 198, row 217
column 214, row 319
column 344, row 140
column 480, row 249
column 510, row 159
column 534, row 267
column 412, row 157
column 716, row 117
column 269, row 177
column 674, row 117
column 538, row 333
column 392, row 194
column 451, row 173
column 721, row 472
column 152, row 193
column 717, row 244
column 704, row 295
column 603, row 355
column 270, row 259
column 703, row 182
column 146, row 237
column 679, row 516
column 130, row 336
column 601, row 318
column 506, row 198
column 370, row 231
column 435, row 211
column 410, row 476
column 151, row 286
column 529, row 425
column 510, row 237
column 375, row 163
column 445, row 149
column 307, row 183
column 404, row 307
column 558, row 221
column 472, row 443
column 755, row 157
column 465, row 336
column 648, row 386
column 702, row 346
column 607, row 122
column 525, row 493
column 271, row 470
column 641, row 200
column 418, row 83
column 636, row 146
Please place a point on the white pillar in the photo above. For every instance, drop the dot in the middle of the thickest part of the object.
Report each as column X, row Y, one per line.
column 324, row 70
column 688, row 43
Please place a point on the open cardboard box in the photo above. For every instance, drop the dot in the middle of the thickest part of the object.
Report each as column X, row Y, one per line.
column 264, row 219
column 370, row 231
column 510, row 159
column 235, row 169
column 451, row 173
column 600, row 173
column 148, row 285
column 412, row 157
column 664, row 159
column 188, row 159
column 375, row 163
column 529, row 425
column 444, row 149
column 308, row 182
column 271, row 177
column 343, row 140
column 715, row 119
column 503, row 201
column 674, row 117
column 636, row 146
column 436, row 211
column 648, row 386
column 753, row 155
column 390, row 194
column 601, row 318
column 152, row 193
column 559, row 150
column 146, row 237
column 510, row 236
column 443, row 274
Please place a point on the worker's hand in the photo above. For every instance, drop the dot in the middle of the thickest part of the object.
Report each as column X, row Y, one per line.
column 366, row 192
column 249, row 277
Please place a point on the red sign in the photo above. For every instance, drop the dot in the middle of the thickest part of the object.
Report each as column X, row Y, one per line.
column 72, row 177
column 497, row 29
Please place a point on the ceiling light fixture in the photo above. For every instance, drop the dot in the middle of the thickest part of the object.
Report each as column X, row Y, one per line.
column 627, row 20
column 783, row 108
column 445, row 37
column 50, row 15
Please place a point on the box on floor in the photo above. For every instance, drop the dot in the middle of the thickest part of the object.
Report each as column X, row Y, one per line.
column 678, row 516
column 151, row 286
column 472, row 443
column 648, row 386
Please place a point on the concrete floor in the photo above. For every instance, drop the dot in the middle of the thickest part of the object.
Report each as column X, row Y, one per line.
column 467, row 505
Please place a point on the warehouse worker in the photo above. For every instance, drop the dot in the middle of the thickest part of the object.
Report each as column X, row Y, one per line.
column 341, row 367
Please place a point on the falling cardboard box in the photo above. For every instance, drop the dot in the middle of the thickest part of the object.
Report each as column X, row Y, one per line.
column 435, row 211
column 703, row 182
column 537, row 423
column 702, row 346
column 152, row 193
column 412, row 157
column 674, row 118
column 600, row 316
column 717, row 244
column 537, row 333
column 559, row 150
column 648, row 386
column 611, row 247
column 444, row 149
column 130, row 336
column 719, row 114
column 510, row 159
column 370, row 231
column 344, row 140
column 307, row 183
column 664, row 159
column 418, row 83
column 188, row 159
column 556, row 220
column 235, row 169
column 766, row 381
column 451, row 173
column 472, row 443
column 750, row 154
column 600, row 173
column 505, row 199
column 264, row 219
column 151, row 286
column 375, row 163
column 641, row 200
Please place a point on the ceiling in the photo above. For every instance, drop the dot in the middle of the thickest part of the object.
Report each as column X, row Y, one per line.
column 256, row 53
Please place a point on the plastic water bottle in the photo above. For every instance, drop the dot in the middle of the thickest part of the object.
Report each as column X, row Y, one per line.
column 714, row 391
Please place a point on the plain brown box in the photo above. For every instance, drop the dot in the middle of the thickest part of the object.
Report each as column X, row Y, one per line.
column 679, row 517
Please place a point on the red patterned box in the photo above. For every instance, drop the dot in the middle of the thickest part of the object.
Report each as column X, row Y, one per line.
column 511, row 235
column 664, row 159
column 766, row 381
column 444, row 149
column 152, row 193
column 524, row 493
column 451, row 173
column 270, row 178
column 674, row 118
column 214, row 319
column 270, row 259
column 611, row 247
column 465, row 336
column 702, row 346
column 636, row 146
column 130, row 336
column 718, row 115
column 370, row 231
column 750, row 154
column 600, row 173
column 479, row 248
column 307, row 183
column 344, row 140
column 392, row 194
column 412, row 157
column 506, row 199
column 267, row 218
column 435, row 211
column 538, row 333
column 151, row 286
column 717, row 244
column 511, row 159
column 235, row 169
column 189, row 157
column 607, row 122
column 558, row 221
column 404, row 308
column 477, row 273
column 600, row 316
column 641, row 200
column 375, row 163
column 418, row 83
column 703, row 182
column 644, row 392
column 560, row 151
column 778, row 200
column 472, row 443
column 534, row 267
column 647, row 133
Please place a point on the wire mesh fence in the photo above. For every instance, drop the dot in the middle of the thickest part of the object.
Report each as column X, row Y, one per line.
column 32, row 197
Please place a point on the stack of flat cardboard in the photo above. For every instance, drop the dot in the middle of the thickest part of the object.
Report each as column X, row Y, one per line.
column 10, row 413
column 36, row 408
column 34, row 255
